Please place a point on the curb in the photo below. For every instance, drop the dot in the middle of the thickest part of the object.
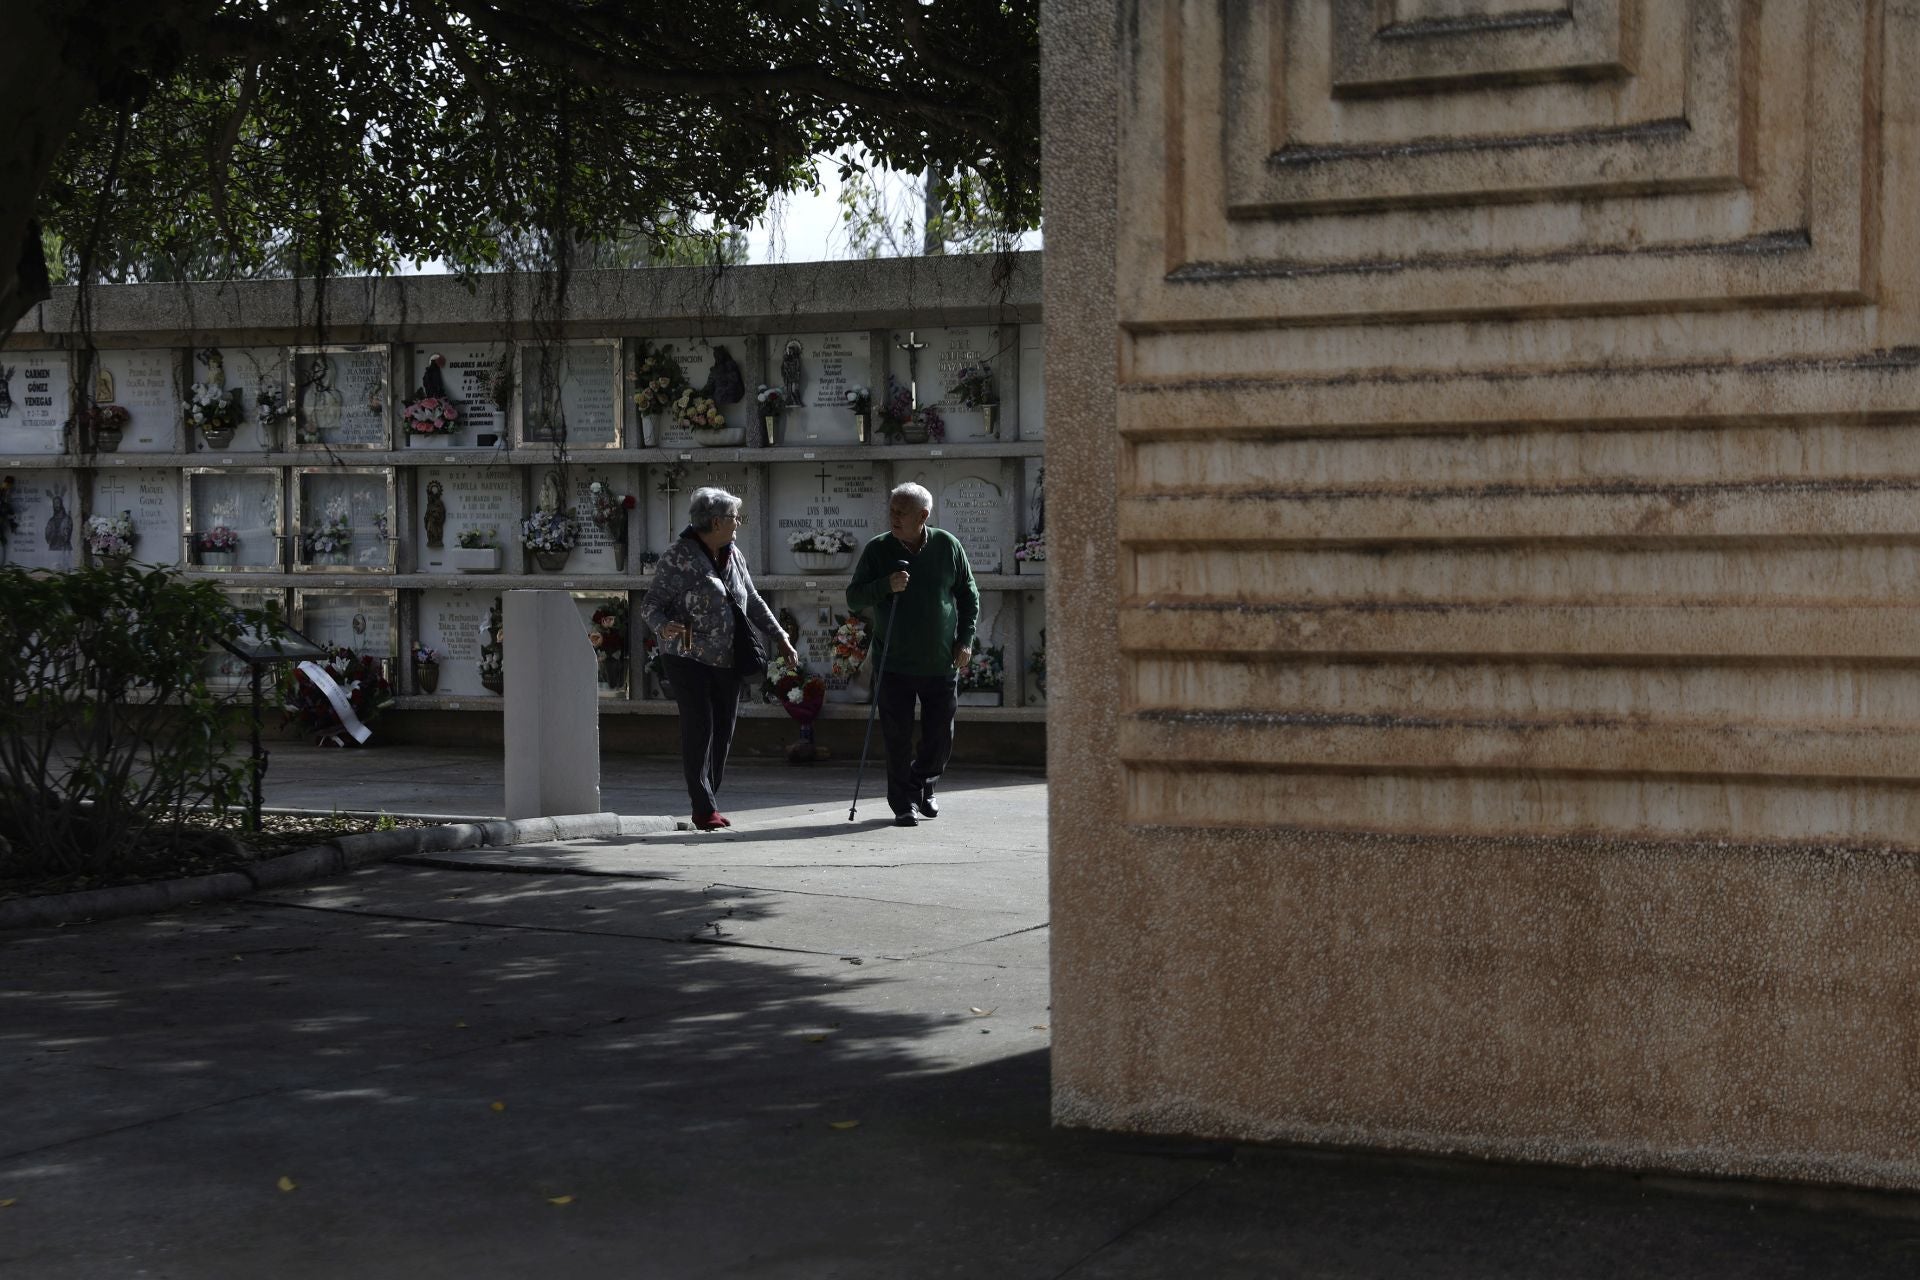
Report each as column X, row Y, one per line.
column 317, row 862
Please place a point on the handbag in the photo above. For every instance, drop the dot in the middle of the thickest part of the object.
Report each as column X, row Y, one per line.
column 749, row 655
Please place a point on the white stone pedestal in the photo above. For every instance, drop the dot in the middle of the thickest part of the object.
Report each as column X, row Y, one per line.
column 552, row 713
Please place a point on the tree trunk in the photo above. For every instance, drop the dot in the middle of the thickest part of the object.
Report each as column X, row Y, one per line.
column 42, row 97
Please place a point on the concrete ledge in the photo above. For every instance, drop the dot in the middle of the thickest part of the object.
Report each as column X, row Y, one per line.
column 316, row 862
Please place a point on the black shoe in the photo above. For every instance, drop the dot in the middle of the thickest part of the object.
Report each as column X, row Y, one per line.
column 926, row 806
column 905, row 819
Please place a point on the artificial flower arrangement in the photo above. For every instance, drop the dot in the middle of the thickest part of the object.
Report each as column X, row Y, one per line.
column 799, row 693
column 429, row 416
column 493, row 666
column 772, row 399
column 986, row 672
column 648, row 560
column 899, row 419
column 549, row 531
column 973, row 386
column 362, row 676
column 821, row 541
column 610, row 509
column 217, row 539
column 210, row 408
column 859, row 399
column 1032, row 547
column 269, row 410
column 485, row 537
column 425, row 657
column 103, row 419
column 697, row 412
column 333, row 535
column 607, row 631
column 111, row 537
column 851, row 640
column 661, row 379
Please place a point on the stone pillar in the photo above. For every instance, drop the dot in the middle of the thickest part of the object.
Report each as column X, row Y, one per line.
column 1486, row 494
column 552, row 718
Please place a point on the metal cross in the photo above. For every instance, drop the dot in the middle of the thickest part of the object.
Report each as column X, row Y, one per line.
column 913, row 347
column 825, row 475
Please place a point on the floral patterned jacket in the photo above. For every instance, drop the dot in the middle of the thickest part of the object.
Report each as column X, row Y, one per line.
column 688, row 588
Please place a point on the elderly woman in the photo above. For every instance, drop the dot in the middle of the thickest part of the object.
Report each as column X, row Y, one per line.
column 702, row 596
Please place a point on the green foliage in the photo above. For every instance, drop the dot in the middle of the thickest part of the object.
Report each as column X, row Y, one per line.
column 892, row 217
column 108, row 733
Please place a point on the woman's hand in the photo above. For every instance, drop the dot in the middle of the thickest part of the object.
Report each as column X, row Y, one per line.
column 792, row 654
column 674, row 631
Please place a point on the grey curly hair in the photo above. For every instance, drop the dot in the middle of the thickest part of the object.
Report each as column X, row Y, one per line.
column 709, row 504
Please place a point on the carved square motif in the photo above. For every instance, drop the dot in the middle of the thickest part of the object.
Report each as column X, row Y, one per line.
column 1426, row 43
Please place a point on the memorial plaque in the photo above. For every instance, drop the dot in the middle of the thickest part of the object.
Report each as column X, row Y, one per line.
column 146, row 383
column 467, row 378
column 696, row 357
column 596, row 551
column 667, row 511
column 46, row 519
column 451, row 622
column 1030, row 422
column 815, row 616
column 451, row 500
column 1033, row 655
column 343, row 519
column 253, row 373
column 343, row 403
column 589, row 378
column 34, row 401
column 245, row 500
column 971, row 501
column 227, row 672
column 152, row 497
column 363, row 621
column 823, row 496
column 823, row 366
column 939, row 363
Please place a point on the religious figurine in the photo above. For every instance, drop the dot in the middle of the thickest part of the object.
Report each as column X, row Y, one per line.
column 324, row 404
column 436, row 517
column 725, row 382
column 103, row 386
column 6, row 392
column 1037, row 504
column 216, row 367
column 59, row 524
column 550, row 495
column 434, row 382
column 790, row 372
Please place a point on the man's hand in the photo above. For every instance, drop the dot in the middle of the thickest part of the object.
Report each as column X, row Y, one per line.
column 961, row 657
column 899, row 579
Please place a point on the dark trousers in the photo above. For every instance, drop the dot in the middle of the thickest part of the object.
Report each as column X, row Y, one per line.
column 709, row 701
column 910, row 773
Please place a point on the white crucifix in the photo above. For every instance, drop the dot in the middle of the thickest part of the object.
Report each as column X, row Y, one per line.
column 913, row 347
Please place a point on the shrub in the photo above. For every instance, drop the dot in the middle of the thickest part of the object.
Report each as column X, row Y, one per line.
column 108, row 732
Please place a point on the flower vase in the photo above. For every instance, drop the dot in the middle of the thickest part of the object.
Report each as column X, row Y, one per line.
column 720, row 438
column 333, row 558
column 807, row 751
column 615, row 671
column 494, row 683
column 113, row 559
column 553, row 561
column 106, row 439
column 860, row 426
column 652, row 426
column 218, row 559
column 427, row 676
column 620, row 552
column 822, row 561
column 914, row 432
column 474, row 559
column 769, row 427
column 990, row 419
column 216, row 437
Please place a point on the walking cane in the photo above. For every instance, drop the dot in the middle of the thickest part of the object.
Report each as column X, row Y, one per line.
column 879, row 674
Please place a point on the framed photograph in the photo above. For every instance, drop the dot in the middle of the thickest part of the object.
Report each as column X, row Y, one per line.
column 344, row 520
column 338, row 397
column 233, row 519
column 584, row 408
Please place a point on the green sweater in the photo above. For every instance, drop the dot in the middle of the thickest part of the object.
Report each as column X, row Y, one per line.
column 939, row 607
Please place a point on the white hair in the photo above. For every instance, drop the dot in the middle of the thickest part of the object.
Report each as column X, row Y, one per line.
column 708, row 505
column 918, row 492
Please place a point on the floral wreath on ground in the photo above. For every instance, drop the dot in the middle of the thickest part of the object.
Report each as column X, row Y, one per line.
column 851, row 640
column 1031, row 547
column 429, row 416
column 986, row 672
column 660, row 377
column 209, row 407
column 218, row 538
column 333, row 535
column 697, row 412
column 799, row 693
column 823, row 541
column 973, row 386
column 897, row 414
column 362, row 676
column 110, row 535
column 549, row 531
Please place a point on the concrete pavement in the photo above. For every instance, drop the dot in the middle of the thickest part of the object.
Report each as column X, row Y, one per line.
column 802, row 1048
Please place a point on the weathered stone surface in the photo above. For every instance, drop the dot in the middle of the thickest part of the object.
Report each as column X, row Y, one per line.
column 1487, row 436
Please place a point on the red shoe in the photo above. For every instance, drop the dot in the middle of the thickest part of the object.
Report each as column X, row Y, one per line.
column 720, row 820
column 712, row 822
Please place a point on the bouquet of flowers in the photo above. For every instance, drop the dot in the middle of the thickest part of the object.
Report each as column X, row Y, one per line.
column 610, row 509
column 851, row 640
column 479, row 538
column 801, row 695
column 772, row 399
column 859, row 399
column 897, row 414
column 697, row 412
column 362, row 676
column 549, row 531
column 331, row 536
column 987, row 671
column 493, row 664
column 660, row 379
column 269, row 408
column 973, row 386
column 1031, row 547
column 429, row 416
column 425, row 657
column 110, row 535
column 648, row 559
column 824, row 541
column 210, row 407
column 608, row 631
column 218, row 538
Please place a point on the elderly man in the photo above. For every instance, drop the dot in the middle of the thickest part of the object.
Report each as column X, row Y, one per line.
column 935, row 605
